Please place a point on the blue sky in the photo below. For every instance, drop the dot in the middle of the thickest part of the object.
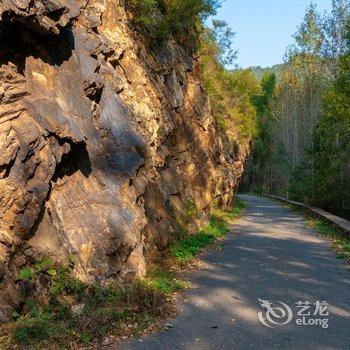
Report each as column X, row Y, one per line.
column 264, row 28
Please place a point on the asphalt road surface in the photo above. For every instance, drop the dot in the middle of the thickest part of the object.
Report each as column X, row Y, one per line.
column 271, row 254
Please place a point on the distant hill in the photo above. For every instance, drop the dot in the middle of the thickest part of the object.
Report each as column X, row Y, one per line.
column 259, row 71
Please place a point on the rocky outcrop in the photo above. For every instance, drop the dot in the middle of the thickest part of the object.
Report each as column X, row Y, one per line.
column 103, row 144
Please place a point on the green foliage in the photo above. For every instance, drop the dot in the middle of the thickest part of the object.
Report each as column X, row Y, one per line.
column 236, row 210
column 62, row 282
column 40, row 266
column 258, row 174
column 190, row 247
column 303, row 147
column 259, row 71
column 230, row 92
column 159, row 19
column 190, row 208
column 44, row 265
column 34, row 328
column 187, row 248
column 223, row 36
column 340, row 243
column 310, row 36
column 26, row 273
column 147, row 18
column 104, row 309
column 165, row 281
column 263, row 101
column 323, row 178
column 335, row 32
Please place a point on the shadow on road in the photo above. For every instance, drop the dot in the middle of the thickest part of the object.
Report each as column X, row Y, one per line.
column 270, row 255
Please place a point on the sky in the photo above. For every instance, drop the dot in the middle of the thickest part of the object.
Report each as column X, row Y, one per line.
column 264, row 28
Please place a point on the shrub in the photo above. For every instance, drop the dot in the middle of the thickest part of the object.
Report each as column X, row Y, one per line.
column 159, row 19
column 231, row 93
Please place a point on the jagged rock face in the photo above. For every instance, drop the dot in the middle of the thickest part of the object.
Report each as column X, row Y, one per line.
column 102, row 143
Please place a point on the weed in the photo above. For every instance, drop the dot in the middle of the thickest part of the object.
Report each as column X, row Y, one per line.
column 339, row 242
column 26, row 273
column 187, row 248
column 34, row 327
column 103, row 310
column 44, row 265
column 237, row 209
column 190, row 208
column 31, row 272
column 165, row 281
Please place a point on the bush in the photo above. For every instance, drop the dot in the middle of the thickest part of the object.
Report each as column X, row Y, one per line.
column 231, row 93
column 159, row 19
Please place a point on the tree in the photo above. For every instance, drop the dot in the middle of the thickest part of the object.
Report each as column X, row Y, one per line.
column 157, row 20
column 223, row 37
column 259, row 173
column 310, row 35
column 328, row 185
column 306, row 152
column 335, row 30
column 230, row 92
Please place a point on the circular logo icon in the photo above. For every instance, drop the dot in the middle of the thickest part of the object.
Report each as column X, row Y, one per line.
column 274, row 315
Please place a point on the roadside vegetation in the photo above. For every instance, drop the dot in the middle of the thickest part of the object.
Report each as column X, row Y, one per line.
column 340, row 242
column 69, row 313
column 187, row 248
column 231, row 92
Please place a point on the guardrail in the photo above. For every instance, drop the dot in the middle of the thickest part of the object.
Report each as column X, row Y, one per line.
column 343, row 224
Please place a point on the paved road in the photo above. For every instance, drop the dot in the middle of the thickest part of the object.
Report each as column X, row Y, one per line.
column 272, row 255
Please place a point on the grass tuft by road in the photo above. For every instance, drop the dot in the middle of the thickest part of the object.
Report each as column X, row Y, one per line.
column 70, row 313
column 340, row 243
column 186, row 249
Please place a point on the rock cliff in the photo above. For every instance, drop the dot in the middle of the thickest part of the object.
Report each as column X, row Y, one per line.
column 107, row 149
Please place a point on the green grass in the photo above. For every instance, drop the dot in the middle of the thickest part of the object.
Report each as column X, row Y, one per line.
column 186, row 249
column 339, row 241
column 103, row 310
column 236, row 210
column 54, row 322
column 164, row 281
column 34, row 328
